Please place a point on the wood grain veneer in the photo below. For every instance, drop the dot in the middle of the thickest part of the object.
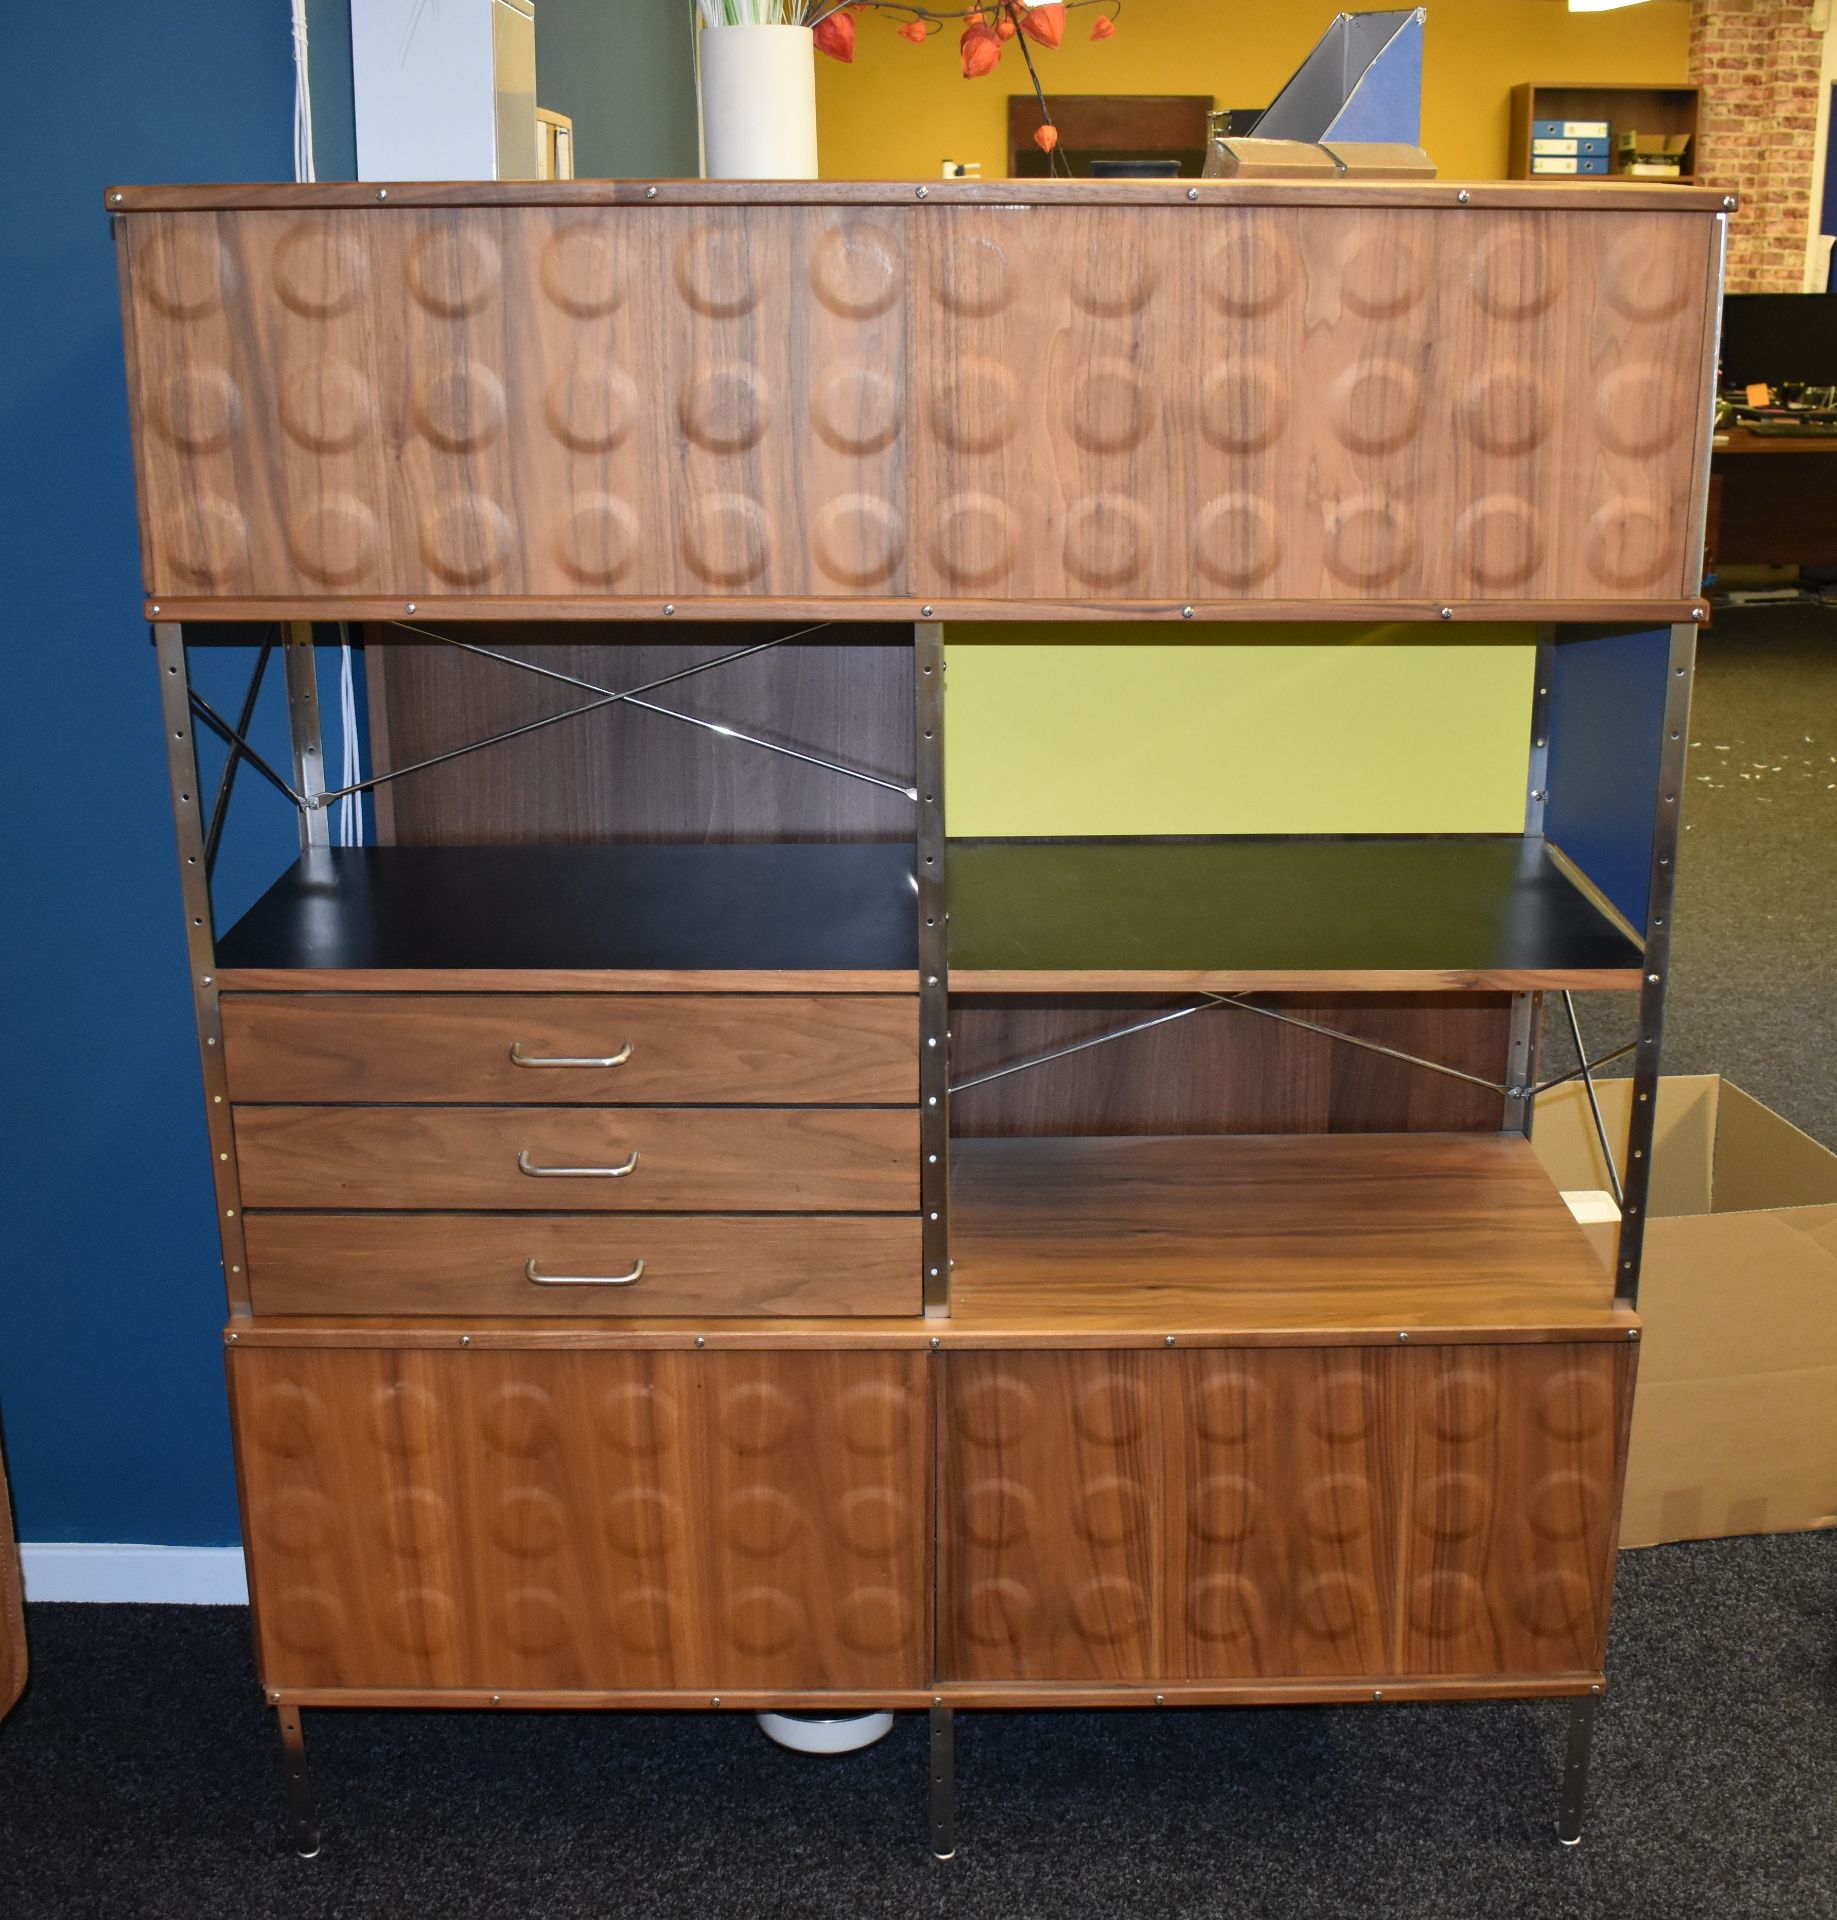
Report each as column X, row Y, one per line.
column 1277, row 1516
column 561, row 1521
column 512, row 980
column 475, row 1263
column 1023, row 1695
column 1049, row 1491
column 622, row 774
column 1269, row 1232
column 13, row 1660
column 795, row 1159
column 790, row 399
column 1225, row 1071
column 783, row 1049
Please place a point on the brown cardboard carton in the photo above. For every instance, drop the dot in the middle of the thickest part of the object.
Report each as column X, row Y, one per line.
column 1735, row 1418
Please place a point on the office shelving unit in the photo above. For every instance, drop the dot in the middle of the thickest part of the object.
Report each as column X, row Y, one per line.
column 1646, row 106
column 695, row 1236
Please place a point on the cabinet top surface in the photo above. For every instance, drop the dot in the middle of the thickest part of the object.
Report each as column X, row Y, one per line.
column 1561, row 196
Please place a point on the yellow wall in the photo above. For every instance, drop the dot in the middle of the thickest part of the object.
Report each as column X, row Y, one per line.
column 900, row 110
column 1302, row 729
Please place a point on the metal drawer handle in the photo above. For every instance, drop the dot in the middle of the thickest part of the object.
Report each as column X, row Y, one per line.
column 518, row 1058
column 585, row 1279
column 526, row 1165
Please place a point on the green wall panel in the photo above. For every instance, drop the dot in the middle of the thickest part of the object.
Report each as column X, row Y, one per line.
column 1237, row 729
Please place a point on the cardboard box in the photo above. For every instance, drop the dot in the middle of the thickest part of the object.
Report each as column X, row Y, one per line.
column 1735, row 1417
column 1654, row 156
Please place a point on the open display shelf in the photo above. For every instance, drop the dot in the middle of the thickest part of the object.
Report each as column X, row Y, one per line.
column 746, row 908
column 1239, row 914
column 1278, row 1238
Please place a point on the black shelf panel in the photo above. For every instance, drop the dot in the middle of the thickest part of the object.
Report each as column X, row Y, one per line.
column 739, row 908
column 1494, row 907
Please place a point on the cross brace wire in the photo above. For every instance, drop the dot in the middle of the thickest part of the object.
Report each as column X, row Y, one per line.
column 1242, row 1005
column 226, row 782
column 608, row 697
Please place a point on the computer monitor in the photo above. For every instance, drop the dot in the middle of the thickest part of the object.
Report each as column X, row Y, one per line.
column 1770, row 338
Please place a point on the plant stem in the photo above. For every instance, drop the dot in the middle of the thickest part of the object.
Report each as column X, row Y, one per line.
column 1039, row 93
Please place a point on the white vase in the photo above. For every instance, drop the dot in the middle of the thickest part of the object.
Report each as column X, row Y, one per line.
column 758, row 103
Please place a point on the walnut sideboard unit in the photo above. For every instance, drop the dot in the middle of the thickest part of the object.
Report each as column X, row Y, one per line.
column 695, row 1236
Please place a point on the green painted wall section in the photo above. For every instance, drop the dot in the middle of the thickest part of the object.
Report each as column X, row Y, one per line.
column 624, row 71
column 1237, row 729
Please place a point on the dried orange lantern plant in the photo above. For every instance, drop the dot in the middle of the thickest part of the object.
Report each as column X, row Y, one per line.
column 985, row 34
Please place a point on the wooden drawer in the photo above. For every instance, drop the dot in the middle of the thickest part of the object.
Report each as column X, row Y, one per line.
column 544, row 1521
column 821, row 1049
column 478, row 1264
column 690, row 1159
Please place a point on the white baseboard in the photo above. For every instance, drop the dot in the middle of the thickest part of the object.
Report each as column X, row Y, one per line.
column 168, row 1576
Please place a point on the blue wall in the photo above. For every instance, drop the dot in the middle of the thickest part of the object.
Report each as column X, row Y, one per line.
column 111, row 1299
column 111, row 1293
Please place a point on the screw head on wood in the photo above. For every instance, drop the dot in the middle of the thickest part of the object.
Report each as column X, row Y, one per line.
column 1170, row 1339
column 1447, row 613
column 408, row 606
column 1463, row 197
column 1192, row 193
column 924, row 613
column 1160, row 1699
column 1377, row 1693
column 701, row 1340
column 155, row 607
column 935, row 1343
column 669, row 609
column 382, row 193
column 115, row 199
column 465, row 1339
column 1186, row 613
column 1699, row 613
column 650, row 193
column 1403, row 1339
column 924, row 193
column 1632, row 1332
column 1728, row 202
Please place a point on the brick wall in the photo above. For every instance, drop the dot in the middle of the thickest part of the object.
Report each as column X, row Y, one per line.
column 1757, row 62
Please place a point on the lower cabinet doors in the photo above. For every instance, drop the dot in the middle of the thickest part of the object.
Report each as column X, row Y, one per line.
column 588, row 1520
column 1281, row 1514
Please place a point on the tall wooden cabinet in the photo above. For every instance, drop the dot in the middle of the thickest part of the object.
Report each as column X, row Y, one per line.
column 697, row 1236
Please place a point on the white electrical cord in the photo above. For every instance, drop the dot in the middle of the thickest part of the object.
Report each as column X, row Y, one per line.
column 350, row 824
column 303, row 168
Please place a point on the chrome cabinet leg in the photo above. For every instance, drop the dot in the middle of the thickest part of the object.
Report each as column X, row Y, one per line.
column 300, row 1815
column 1575, row 1771
column 943, row 1761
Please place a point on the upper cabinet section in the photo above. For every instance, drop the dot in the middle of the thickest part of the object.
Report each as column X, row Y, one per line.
column 1267, row 402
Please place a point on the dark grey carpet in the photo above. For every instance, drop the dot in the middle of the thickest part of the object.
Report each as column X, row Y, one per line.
column 140, row 1777
column 1754, row 968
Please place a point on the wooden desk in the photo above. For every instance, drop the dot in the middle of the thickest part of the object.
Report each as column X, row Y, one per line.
column 1772, row 511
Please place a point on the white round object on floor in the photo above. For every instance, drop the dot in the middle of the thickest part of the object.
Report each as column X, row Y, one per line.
column 826, row 1732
